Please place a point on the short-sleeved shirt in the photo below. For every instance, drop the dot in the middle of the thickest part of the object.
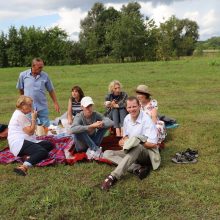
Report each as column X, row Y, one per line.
column 150, row 106
column 161, row 130
column 35, row 87
column 142, row 126
column 16, row 135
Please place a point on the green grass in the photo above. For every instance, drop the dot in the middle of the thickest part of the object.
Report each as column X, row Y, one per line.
column 187, row 90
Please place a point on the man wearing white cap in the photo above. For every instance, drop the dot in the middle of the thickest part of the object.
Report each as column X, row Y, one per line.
column 89, row 127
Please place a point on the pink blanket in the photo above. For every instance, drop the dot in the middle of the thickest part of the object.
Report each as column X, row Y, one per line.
column 62, row 153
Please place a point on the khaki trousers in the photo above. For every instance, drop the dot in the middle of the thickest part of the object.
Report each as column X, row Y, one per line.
column 133, row 151
column 126, row 161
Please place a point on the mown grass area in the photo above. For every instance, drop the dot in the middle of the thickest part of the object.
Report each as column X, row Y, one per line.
column 187, row 90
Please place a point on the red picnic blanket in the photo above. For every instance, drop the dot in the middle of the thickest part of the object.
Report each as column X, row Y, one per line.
column 62, row 152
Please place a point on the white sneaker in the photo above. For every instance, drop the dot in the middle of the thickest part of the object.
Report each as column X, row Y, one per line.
column 98, row 153
column 91, row 154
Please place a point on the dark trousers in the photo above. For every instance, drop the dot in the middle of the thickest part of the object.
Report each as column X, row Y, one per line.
column 36, row 151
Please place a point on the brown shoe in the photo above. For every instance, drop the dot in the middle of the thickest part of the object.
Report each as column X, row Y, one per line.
column 21, row 170
column 142, row 172
column 108, row 182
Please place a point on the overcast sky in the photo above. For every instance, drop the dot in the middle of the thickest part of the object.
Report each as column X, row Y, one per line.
column 68, row 13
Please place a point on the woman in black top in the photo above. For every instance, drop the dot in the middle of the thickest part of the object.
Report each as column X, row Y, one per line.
column 74, row 105
column 115, row 103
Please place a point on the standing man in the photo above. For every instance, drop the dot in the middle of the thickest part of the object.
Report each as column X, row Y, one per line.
column 89, row 128
column 139, row 145
column 34, row 83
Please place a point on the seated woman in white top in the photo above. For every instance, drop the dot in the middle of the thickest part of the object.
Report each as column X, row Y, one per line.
column 21, row 138
column 150, row 107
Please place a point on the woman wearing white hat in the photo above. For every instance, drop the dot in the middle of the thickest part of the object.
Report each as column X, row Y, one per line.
column 150, row 107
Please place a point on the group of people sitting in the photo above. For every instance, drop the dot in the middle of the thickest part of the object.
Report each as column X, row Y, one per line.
column 133, row 118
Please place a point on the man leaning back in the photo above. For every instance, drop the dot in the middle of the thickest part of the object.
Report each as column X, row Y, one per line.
column 139, row 146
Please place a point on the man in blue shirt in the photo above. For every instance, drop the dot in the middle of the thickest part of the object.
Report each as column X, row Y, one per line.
column 34, row 83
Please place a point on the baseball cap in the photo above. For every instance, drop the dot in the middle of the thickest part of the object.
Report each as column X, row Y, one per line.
column 86, row 101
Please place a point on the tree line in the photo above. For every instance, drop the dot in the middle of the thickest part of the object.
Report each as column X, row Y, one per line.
column 106, row 35
column 212, row 43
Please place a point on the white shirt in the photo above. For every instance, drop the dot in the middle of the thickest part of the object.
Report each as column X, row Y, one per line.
column 16, row 135
column 142, row 126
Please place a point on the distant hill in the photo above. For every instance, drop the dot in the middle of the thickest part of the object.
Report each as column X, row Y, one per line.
column 210, row 44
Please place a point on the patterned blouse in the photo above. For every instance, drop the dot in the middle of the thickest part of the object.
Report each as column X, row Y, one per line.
column 161, row 130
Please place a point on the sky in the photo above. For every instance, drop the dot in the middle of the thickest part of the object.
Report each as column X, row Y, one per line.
column 67, row 13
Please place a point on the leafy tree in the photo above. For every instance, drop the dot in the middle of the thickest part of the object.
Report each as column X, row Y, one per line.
column 75, row 53
column 212, row 43
column 54, row 46
column 177, row 38
column 152, row 40
column 188, row 37
column 14, row 47
column 106, row 20
column 3, row 49
column 106, row 35
column 91, row 32
column 127, row 35
column 32, row 43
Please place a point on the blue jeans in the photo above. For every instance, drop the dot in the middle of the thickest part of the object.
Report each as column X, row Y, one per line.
column 42, row 117
column 118, row 115
column 83, row 140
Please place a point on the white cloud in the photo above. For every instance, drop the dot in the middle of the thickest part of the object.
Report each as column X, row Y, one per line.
column 161, row 13
column 210, row 18
column 210, row 24
column 114, row 5
column 70, row 12
column 70, row 21
column 13, row 15
column 6, row 14
column 194, row 16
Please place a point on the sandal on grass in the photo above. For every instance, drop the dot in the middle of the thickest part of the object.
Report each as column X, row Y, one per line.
column 190, row 152
column 184, row 159
column 21, row 170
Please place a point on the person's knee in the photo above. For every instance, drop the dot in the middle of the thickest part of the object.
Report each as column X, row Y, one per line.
column 135, row 151
column 50, row 146
column 47, row 145
column 43, row 153
column 80, row 135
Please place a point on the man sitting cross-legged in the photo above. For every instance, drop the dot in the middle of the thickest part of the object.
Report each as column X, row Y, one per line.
column 139, row 145
column 89, row 128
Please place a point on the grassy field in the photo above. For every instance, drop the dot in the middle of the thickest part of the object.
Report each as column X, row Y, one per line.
column 187, row 89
